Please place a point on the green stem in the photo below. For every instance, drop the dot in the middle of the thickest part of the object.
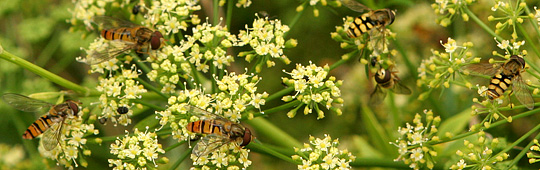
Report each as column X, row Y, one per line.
column 280, row 94
column 272, row 132
column 174, row 146
column 378, row 162
column 152, row 88
column 216, row 12
column 338, row 63
column 279, row 108
column 533, row 21
column 528, row 39
column 481, row 24
column 229, row 14
column 145, row 69
column 524, row 151
column 144, row 103
column 183, row 157
column 257, row 147
column 295, row 19
column 46, row 74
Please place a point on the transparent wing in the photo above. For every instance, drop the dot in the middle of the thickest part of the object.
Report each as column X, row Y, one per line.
column 378, row 95
column 106, row 22
column 25, row 103
column 355, row 6
column 377, row 39
column 203, row 114
column 209, row 144
column 522, row 93
column 484, row 68
column 51, row 136
column 112, row 50
column 400, row 88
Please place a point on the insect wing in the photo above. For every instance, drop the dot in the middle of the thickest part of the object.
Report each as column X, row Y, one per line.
column 400, row 88
column 378, row 95
column 106, row 22
column 209, row 144
column 112, row 50
column 202, row 114
column 522, row 92
column 484, row 68
column 355, row 6
column 51, row 136
column 25, row 103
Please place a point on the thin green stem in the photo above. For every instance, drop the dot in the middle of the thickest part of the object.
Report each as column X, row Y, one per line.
column 145, row 69
column 378, row 162
column 524, row 151
column 229, row 14
column 144, row 103
column 183, row 157
column 272, row 132
column 46, row 74
column 338, row 63
column 528, row 39
column 296, row 19
column 533, row 21
column 152, row 88
column 258, row 147
column 216, row 12
column 280, row 94
column 481, row 24
column 174, row 146
column 276, row 109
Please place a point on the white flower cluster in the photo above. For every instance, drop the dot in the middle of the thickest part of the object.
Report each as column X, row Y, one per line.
column 323, row 154
column 71, row 142
column 266, row 37
column 230, row 157
column 123, row 88
column 313, row 87
column 170, row 16
column 12, row 157
column 86, row 9
column 412, row 146
column 135, row 151
column 480, row 154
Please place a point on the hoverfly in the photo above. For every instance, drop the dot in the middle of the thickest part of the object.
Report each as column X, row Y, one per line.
column 387, row 79
column 372, row 22
column 218, row 130
column 50, row 125
column 131, row 37
column 505, row 75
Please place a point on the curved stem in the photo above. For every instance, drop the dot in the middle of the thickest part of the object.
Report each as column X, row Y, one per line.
column 295, row 19
column 522, row 153
column 272, row 132
column 279, row 108
column 46, row 74
column 280, row 94
column 258, row 147
column 338, row 63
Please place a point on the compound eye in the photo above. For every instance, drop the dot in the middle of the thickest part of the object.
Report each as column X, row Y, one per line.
column 383, row 76
column 155, row 42
column 247, row 138
column 74, row 107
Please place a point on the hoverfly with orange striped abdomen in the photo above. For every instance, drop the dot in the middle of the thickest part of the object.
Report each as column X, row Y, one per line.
column 505, row 75
column 50, row 125
column 218, row 130
column 130, row 37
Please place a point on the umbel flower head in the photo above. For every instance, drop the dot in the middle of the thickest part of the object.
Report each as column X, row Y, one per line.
column 312, row 88
column 511, row 11
column 323, row 154
column 448, row 9
column 412, row 144
column 267, row 39
column 481, row 154
column 135, row 151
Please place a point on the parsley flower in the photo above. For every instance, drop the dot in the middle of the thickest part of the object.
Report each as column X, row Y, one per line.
column 135, row 151
column 323, row 154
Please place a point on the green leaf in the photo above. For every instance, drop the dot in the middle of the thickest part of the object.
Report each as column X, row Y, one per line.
column 376, row 132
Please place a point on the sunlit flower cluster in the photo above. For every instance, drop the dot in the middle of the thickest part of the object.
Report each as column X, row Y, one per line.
column 443, row 67
column 228, row 156
column 171, row 16
column 412, row 144
column 267, row 39
column 313, row 87
column 72, row 143
column 207, row 47
column 12, row 157
column 323, row 154
column 481, row 154
column 511, row 15
column 135, row 151
column 448, row 9
column 84, row 10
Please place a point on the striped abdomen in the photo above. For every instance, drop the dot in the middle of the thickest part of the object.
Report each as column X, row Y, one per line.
column 38, row 127
column 360, row 25
column 205, row 127
column 498, row 85
column 124, row 34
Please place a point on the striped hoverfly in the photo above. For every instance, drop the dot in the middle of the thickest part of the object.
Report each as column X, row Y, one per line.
column 50, row 124
column 219, row 131
column 505, row 75
column 125, row 36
